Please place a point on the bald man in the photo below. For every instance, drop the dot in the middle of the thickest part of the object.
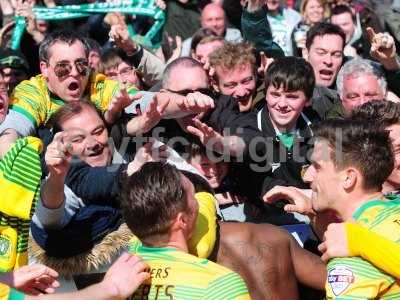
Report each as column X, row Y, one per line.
column 213, row 17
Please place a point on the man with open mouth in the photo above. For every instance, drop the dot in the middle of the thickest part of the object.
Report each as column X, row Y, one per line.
column 65, row 77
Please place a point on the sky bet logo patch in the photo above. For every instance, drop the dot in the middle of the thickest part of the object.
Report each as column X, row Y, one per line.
column 340, row 277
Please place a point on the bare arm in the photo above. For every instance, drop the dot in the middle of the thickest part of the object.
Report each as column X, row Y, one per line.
column 120, row 281
column 57, row 161
column 309, row 268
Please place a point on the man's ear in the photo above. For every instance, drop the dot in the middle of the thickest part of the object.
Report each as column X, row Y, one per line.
column 181, row 221
column 304, row 53
column 350, row 178
column 44, row 69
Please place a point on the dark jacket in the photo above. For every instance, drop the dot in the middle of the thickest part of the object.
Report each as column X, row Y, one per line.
column 256, row 30
column 269, row 162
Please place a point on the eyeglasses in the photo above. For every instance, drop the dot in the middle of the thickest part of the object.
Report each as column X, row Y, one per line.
column 125, row 72
column 62, row 69
column 205, row 91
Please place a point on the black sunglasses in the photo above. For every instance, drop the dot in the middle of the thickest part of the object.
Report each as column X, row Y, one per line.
column 205, row 91
column 62, row 69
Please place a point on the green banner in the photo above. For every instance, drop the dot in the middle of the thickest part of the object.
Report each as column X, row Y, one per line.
column 134, row 7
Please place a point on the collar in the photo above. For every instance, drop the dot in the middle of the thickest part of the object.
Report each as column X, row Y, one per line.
column 264, row 124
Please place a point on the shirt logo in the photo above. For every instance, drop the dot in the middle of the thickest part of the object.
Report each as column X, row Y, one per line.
column 5, row 246
column 340, row 278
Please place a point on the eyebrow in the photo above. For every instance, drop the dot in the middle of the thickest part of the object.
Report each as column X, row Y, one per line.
column 98, row 127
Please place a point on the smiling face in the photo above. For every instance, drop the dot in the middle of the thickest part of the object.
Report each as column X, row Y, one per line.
column 88, row 137
column 314, row 11
column 326, row 57
column 240, row 83
column 213, row 17
column 213, row 172
column 325, row 180
column 69, row 87
column 358, row 90
column 345, row 22
column 284, row 107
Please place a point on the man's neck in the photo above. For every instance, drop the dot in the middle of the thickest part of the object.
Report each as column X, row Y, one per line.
column 283, row 129
column 176, row 241
column 354, row 202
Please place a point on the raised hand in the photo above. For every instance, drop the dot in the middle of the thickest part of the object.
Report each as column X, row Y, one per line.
column 148, row 153
column 58, row 155
column 150, row 118
column 126, row 274
column 264, row 64
column 206, row 134
column 34, row 279
column 119, row 33
column 299, row 202
column 383, row 47
column 196, row 103
column 120, row 101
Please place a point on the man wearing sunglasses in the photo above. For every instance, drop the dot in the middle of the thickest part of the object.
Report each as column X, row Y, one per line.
column 65, row 77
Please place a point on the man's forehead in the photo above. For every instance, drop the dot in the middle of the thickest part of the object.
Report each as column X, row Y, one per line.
column 57, row 49
column 322, row 150
column 321, row 41
column 182, row 78
column 243, row 70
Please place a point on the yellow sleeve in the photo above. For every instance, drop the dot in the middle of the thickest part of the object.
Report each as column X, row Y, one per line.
column 381, row 252
column 28, row 99
column 4, row 292
column 103, row 90
column 202, row 242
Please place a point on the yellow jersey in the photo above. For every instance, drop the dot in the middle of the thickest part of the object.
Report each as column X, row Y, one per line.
column 179, row 275
column 7, row 293
column 33, row 99
column 356, row 278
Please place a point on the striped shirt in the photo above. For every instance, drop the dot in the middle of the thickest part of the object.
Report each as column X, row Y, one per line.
column 32, row 99
column 355, row 278
column 179, row 275
column 7, row 293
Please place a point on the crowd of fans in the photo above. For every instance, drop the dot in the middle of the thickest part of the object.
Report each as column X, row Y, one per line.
column 252, row 153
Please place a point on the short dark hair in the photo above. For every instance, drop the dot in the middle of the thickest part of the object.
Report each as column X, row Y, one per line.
column 382, row 113
column 364, row 145
column 342, row 9
column 293, row 74
column 69, row 110
column 184, row 61
column 321, row 29
column 151, row 198
column 65, row 36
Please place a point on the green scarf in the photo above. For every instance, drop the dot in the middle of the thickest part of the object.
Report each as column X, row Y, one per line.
column 136, row 7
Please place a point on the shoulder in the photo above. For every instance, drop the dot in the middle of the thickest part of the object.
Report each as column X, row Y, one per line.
column 34, row 85
column 232, row 34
